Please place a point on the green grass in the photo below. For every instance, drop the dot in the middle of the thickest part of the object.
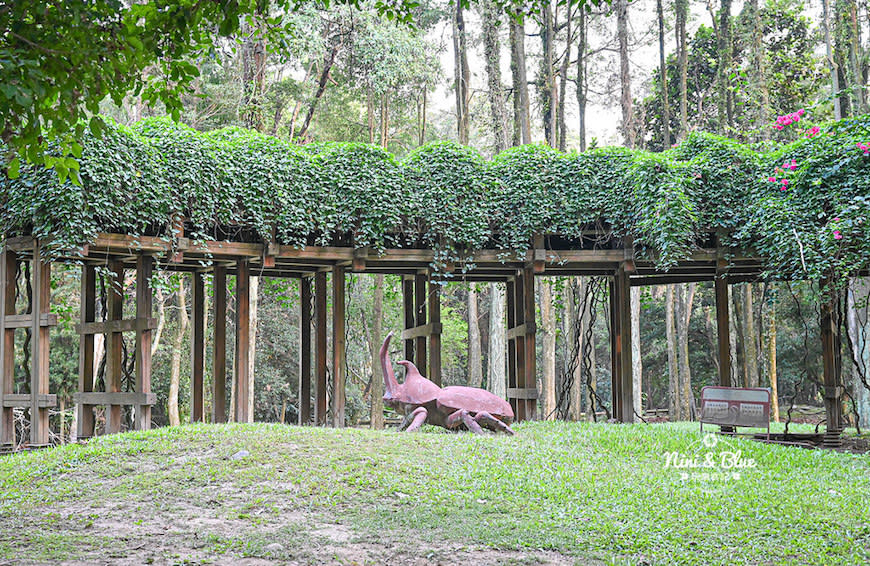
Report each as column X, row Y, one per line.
column 585, row 491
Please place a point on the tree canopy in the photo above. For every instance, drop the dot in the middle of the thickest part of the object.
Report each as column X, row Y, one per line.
column 802, row 205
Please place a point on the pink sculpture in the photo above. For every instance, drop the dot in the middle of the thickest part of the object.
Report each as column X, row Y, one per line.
column 421, row 401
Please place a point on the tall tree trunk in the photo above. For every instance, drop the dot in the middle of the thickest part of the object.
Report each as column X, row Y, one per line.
column 663, row 79
column 475, row 360
column 385, row 121
column 723, row 49
column 177, row 343
column 497, row 357
column 829, row 53
column 771, row 356
column 673, row 366
column 636, row 361
column 523, row 133
column 377, row 391
column 760, row 71
column 856, row 76
column 858, row 328
column 370, row 114
column 253, row 80
column 563, row 84
column 252, row 344
column 489, row 17
column 581, row 76
column 548, row 324
column 462, row 73
column 547, row 81
column 682, row 8
column 687, row 399
column 157, row 335
column 628, row 129
column 322, row 81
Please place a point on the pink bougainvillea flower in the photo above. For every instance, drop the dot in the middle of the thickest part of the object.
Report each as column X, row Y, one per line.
column 801, row 112
column 772, row 179
column 838, row 235
column 837, row 219
column 785, row 182
column 793, row 164
column 812, row 132
column 778, row 126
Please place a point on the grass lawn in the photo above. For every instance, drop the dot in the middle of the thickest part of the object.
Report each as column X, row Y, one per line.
column 557, row 493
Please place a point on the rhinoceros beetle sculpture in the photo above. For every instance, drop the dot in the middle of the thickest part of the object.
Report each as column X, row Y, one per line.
column 421, row 401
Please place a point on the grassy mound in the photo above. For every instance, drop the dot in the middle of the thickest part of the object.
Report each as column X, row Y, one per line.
column 560, row 493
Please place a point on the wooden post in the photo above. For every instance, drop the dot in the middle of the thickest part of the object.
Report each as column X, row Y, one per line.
column 8, row 269
column 831, row 363
column 723, row 330
column 420, row 316
column 435, row 334
column 219, row 387
column 530, row 371
column 39, row 345
column 520, row 344
column 338, row 347
column 410, row 318
column 621, row 372
column 114, row 344
column 243, row 340
column 305, row 350
column 144, row 304
column 512, row 342
column 320, row 407
column 197, row 348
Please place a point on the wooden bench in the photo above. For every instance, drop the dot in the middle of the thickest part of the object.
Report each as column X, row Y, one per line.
column 736, row 406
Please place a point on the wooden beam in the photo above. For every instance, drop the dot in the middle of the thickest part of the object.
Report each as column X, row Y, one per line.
column 39, row 348
column 118, row 326
column 243, row 340
column 304, row 351
column 25, row 400
column 522, row 330
column 197, row 349
column 116, row 399
column 219, row 386
column 420, row 283
column 26, row 320
column 530, row 371
column 424, row 331
column 320, row 405
column 528, row 394
column 114, row 344
column 621, row 375
column 723, row 330
column 84, row 413
column 435, row 333
column 339, row 352
column 8, row 270
column 144, row 309
column 408, row 311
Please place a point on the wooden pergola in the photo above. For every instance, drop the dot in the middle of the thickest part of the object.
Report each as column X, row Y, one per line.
column 597, row 255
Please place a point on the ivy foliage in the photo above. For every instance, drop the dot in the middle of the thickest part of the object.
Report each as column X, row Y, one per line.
column 803, row 206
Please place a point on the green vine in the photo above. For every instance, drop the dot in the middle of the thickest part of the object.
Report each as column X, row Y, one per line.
column 803, row 206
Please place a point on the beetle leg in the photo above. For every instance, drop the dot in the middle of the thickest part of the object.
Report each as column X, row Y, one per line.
column 418, row 417
column 487, row 420
column 463, row 417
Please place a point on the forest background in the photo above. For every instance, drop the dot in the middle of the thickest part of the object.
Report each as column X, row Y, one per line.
column 642, row 74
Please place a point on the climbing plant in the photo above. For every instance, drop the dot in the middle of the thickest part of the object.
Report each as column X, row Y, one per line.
column 803, row 205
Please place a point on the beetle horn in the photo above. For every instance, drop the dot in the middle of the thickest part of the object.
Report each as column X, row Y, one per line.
column 390, row 383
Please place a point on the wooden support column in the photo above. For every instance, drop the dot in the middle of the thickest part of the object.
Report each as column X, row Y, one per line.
column 8, row 270
column 723, row 329
column 114, row 344
column 219, row 387
column 243, row 340
column 339, row 352
column 409, row 314
column 435, row 333
column 85, row 413
column 420, row 317
column 831, row 363
column 39, row 344
column 197, row 348
column 512, row 343
column 320, row 406
column 144, row 304
column 621, row 370
column 305, row 350
column 530, row 371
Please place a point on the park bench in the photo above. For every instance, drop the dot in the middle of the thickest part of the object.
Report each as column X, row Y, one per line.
column 735, row 406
